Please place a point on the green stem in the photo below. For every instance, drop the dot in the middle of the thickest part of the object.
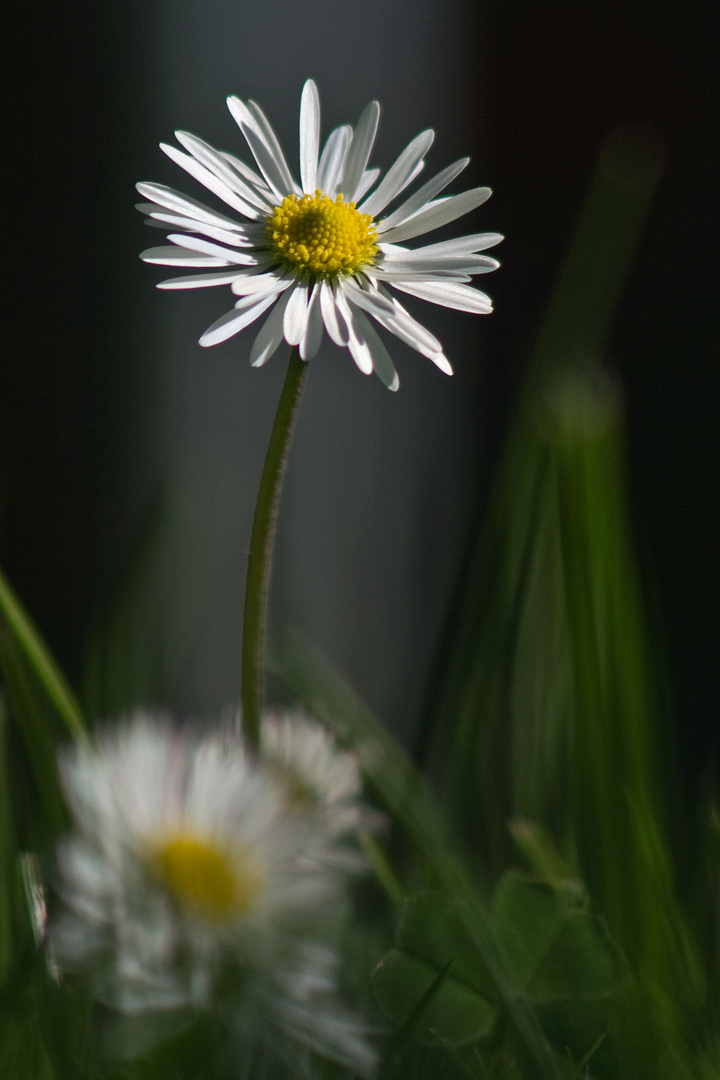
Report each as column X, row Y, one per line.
column 261, row 548
column 36, row 651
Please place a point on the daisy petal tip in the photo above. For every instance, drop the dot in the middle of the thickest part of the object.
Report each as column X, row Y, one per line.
column 211, row 337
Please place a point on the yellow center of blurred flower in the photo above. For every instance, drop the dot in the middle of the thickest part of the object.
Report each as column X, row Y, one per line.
column 204, row 878
column 319, row 238
column 300, row 798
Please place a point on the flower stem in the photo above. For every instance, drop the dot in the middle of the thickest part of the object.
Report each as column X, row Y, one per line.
column 261, row 548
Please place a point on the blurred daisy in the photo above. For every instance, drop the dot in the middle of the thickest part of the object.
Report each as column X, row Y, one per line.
column 185, row 872
column 321, row 255
column 319, row 780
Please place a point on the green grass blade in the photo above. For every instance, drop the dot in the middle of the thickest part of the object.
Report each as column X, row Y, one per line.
column 40, row 811
column 39, row 657
column 137, row 651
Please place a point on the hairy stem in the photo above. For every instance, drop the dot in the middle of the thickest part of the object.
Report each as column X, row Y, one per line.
column 261, row 548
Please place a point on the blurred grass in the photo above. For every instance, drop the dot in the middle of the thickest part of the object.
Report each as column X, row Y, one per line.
column 136, row 650
column 544, row 737
column 547, row 709
column 16, row 624
column 404, row 792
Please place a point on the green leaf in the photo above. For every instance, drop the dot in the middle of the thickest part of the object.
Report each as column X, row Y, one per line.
column 559, row 951
column 456, row 1014
column 400, row 1045
column 432, row 939
column 431, row 928
column 568, row 967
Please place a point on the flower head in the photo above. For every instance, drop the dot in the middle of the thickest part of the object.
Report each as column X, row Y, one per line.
column 319, row 782
column 185, row 875
column 321, row 255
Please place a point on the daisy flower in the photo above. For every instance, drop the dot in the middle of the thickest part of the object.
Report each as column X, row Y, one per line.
column 185, row 873
column 318, row 780
column 325, row 254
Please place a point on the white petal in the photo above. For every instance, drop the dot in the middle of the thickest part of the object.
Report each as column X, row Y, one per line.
column 174, row 200
column 423, row 195
column 198, row 281
column 255, row 178
column 224, row 236
column 333, row 159
column 334, row 322
column 270, row 335
column 441, row 361
column 266, row 164
column 196, row 243
column 449, row 294
column 461, row 245
column 455, row 264
column 382, row 364
column 409, row 270
column 437, row 214
column 250, row 283
column 309, row 136
column 216, row 163
column 266, row 130
column 272, row 169
column 398, row 174
column 412, row 333
column 296, row 314
column 210, row 181
column 368, row 299
column 233, row 322
column 408, row 329
column 177, row 256
column 359, row 152
column 416, row 172
column 359, row 349
column 312, row 337
column 254, row 298
column 368, row 179
column 191, row 222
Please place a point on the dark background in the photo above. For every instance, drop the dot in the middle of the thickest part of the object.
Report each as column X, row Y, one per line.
column 89, row 388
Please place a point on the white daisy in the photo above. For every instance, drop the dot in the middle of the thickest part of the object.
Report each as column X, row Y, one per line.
column 319, row 781
column 185, row 873
column 321, row 255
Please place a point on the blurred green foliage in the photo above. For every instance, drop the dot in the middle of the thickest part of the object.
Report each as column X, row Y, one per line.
column 526, row 921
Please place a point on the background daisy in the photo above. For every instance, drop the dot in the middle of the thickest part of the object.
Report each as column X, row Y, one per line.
column 185, row 883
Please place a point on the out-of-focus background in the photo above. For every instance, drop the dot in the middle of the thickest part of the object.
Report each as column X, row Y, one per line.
column 115, row 425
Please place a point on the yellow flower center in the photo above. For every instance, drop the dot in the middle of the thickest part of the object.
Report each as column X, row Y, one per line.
column 300, row 799
column 206, row 879
column 319, row 238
